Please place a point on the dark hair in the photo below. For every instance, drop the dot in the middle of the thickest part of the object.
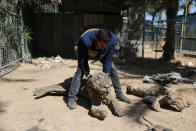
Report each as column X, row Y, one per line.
column 104, row 35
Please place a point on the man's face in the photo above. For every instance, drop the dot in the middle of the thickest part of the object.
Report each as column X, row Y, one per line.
column 101, row 45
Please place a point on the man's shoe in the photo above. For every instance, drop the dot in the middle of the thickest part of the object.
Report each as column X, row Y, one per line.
column 71, row 104
column 123, row 98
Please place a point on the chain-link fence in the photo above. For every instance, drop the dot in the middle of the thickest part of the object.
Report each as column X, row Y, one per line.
column 186, row 36
column 10, row 47
column 130, row 39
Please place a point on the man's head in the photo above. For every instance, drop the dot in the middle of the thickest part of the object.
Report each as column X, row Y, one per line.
column 103, row 38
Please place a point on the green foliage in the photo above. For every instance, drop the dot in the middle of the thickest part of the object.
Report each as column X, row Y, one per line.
column 8, row 21
column 155, row 8
column 185, row 5
column 27, row 34
column 6, row 9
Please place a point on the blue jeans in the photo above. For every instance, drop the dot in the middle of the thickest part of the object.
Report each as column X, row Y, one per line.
column 76, row 81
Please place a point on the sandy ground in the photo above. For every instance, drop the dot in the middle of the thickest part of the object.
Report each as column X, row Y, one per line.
column 19, row 111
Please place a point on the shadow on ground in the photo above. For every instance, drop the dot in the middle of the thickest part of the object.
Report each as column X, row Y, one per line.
column 16, row 80
column 137, row 110
column 150, row 66
column 2, row 107
column 81, row 101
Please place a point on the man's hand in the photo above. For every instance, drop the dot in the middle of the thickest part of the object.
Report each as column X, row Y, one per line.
column 76, row 50
column 87, row 76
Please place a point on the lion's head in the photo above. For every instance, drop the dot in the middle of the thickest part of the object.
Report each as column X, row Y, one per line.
column 100, row 81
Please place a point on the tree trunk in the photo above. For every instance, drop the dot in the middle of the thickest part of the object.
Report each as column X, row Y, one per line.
column 169, row 47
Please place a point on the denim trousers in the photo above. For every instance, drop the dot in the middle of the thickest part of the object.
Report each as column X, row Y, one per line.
column 76, row 81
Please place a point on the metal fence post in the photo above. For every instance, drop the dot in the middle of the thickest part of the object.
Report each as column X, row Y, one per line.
column 182, row 34
column 157, row 39
column 143, row 36
column 22, row 35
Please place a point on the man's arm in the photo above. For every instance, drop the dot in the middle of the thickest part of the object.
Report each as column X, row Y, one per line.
column 83, row 59
column 83, row 44
column 107, row 61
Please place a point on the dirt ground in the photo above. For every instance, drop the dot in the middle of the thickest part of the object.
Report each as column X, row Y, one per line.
column 20, row 111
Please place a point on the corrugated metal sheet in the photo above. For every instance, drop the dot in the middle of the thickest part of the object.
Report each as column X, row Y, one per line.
column 56, row 33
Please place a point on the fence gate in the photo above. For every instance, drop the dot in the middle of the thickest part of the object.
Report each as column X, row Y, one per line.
column 10, row 47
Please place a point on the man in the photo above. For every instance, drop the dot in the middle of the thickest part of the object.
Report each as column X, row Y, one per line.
column 99, row 44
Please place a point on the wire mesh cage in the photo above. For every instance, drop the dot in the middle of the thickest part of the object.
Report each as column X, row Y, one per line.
column 10, row 47
column 155, row 38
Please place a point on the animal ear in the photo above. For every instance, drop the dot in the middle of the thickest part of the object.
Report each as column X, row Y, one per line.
column 99, row 76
